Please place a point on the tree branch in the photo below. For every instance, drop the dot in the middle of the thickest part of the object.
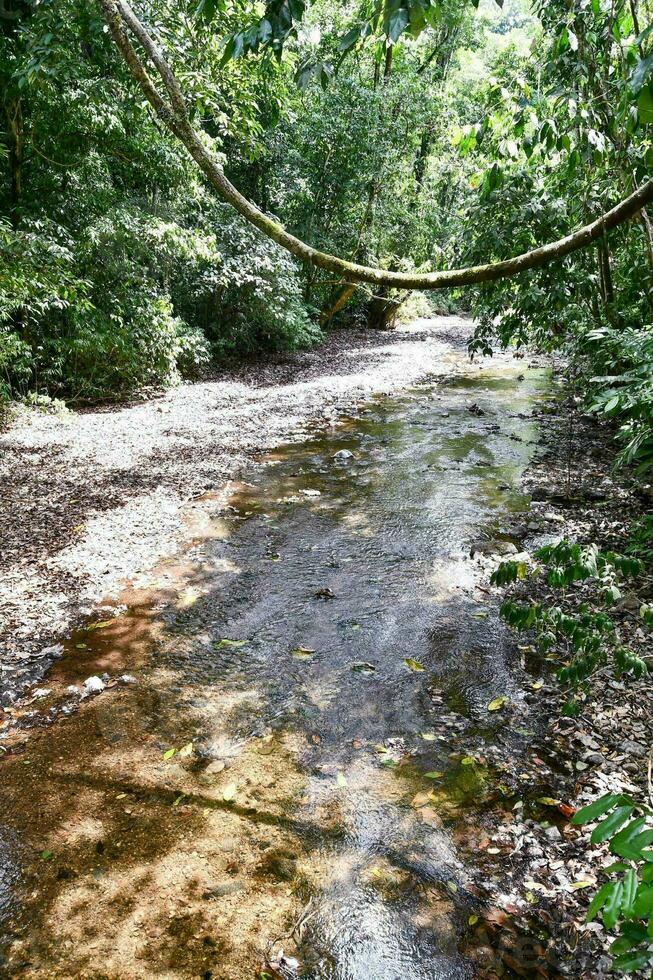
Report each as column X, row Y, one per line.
column 117, row 14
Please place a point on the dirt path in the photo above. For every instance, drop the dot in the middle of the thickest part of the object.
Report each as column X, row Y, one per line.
column 91, row 501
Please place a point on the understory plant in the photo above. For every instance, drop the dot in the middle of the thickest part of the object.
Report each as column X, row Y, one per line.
column 583, row 638
column 625, row 900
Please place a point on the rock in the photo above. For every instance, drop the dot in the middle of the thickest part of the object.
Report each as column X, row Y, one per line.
column 127, row 679
column 476, row 410
column 224, row 888
column 310, row 493
column 93, row 685
column 553, row 833
column 73, row 689
column 594, row 758
column 215, row 767
column 495, row 547
column 42, row 692
column 342, row 456
column 53, row 651
column 635, row 749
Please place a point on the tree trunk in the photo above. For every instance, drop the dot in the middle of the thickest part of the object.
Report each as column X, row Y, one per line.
column 14, row 113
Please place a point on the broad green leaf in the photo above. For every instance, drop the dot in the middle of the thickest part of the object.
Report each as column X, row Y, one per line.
column 611, row 824
column 596, row 809
column 630, row 890
column 413, row 664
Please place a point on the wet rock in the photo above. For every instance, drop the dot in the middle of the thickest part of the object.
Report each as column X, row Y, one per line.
column 496, row 547
column 342, row 456
column 94, row 685
column 476, row 410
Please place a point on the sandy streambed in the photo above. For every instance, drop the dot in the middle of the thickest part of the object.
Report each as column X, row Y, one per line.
column 289, row 762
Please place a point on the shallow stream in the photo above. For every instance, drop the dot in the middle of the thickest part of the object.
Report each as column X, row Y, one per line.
column 321, row 662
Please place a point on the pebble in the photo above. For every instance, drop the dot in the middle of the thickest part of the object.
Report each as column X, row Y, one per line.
column 93, row 685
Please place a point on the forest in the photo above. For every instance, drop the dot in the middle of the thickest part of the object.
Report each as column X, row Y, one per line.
column 305, row 308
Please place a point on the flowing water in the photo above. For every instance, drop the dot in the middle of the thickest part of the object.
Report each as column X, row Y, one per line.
column 326, row 658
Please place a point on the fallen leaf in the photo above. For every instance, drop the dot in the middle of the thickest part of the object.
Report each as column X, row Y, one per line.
column 229, row 792
column 496, row 704
column 433, row 775
column 363, row 667
column 429, row 736
column 302, row 653
column 231, row 643
column 168, row 754
column 548, row 801
column 101, row 625
column 340, row 779
column 186, row 751
column 413, row 664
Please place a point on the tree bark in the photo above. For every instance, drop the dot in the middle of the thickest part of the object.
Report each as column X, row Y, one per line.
column 173, row 114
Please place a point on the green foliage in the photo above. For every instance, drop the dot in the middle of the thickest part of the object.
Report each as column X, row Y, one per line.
column 587, row 638
column 626, row 393
column 626, row 899
column 117, row 269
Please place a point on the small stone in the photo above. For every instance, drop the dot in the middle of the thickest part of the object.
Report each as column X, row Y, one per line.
column 94, row 685
column 553, row 833
column 127, row 679
column 224, row 888
column 42, row 692
column 73, row 689
column 342, row 455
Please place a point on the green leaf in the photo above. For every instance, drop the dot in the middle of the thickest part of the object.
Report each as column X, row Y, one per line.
column 599, row 900
column 413, row 664
column 643, row 905
column 596, row 809
column 645, row 105
column 611, row 824
column 622, row 844
column 612, row 906
column 641, row 74
column 630, row 890
column 168, row 754
column 630, row 962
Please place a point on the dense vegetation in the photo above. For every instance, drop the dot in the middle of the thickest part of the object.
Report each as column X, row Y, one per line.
column 397, row 142
column 406, row 135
